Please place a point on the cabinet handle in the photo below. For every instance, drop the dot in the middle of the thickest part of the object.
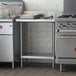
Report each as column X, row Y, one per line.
column 66, row 31
column 67, row 37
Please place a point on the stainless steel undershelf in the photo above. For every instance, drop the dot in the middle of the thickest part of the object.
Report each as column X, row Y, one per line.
column 38, row 56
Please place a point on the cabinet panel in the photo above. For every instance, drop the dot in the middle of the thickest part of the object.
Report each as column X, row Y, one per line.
column 6, row 48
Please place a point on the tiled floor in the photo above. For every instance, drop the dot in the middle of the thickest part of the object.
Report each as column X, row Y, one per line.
column 35, row 71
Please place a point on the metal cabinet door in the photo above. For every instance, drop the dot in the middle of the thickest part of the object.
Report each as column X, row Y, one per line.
column 6, row 48
column 66, row 47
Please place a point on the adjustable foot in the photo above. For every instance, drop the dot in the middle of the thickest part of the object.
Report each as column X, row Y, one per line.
column 61, row 67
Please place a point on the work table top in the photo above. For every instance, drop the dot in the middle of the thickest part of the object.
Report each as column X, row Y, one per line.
column 6, row 20
column 34, row 20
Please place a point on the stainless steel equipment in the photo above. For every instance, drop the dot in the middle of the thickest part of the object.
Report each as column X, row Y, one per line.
column 65, row 40
column 9, row 33
column 30, row 55
column 66, row 35
column 9, row 41
column 6, row 41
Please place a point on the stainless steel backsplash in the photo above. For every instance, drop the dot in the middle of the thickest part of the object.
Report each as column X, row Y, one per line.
column 69, row 6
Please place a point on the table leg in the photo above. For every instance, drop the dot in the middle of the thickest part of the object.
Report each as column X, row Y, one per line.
column 21, row 42
column 53, row 44
column 60, row 67
column 13, row 65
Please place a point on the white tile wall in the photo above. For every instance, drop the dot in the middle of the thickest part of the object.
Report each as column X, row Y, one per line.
column 56, row 5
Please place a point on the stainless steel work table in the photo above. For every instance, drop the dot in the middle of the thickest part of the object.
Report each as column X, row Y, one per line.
column 51, row 57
